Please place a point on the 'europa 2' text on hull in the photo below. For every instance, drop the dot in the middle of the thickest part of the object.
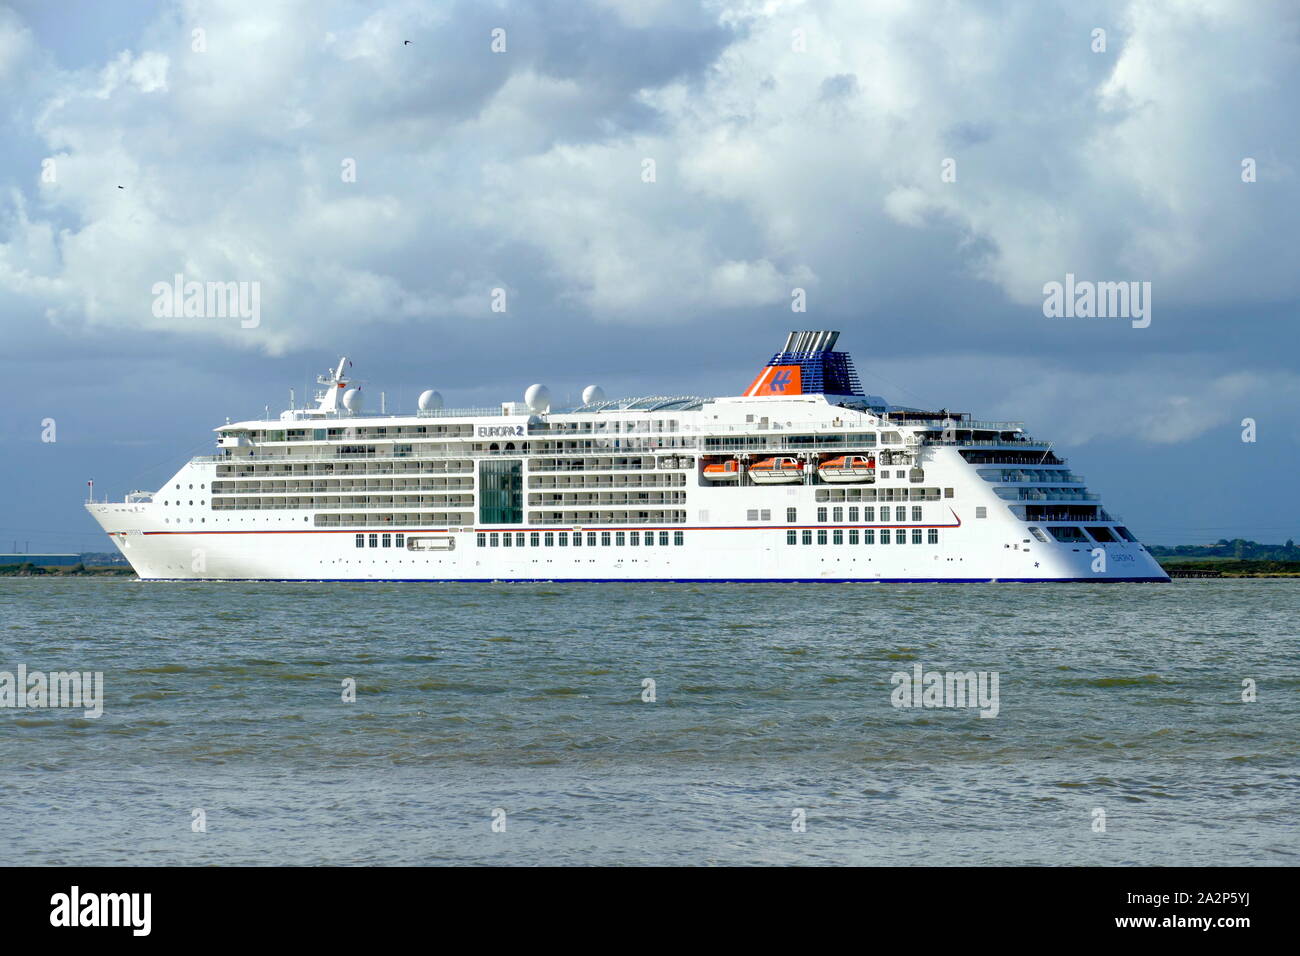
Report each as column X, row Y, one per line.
column 801, row 478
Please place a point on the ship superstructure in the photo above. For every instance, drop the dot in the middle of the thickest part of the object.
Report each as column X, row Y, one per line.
column 801, row 478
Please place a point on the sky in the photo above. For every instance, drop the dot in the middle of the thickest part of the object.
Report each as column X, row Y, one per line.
column 648, row 182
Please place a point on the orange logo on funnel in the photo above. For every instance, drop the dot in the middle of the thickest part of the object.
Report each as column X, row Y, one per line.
column 777, row 380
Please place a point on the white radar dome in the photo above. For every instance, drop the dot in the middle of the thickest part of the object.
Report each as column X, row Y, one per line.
column 538, row 399
column 352, row 399
column 429, row 400
column 592, row 393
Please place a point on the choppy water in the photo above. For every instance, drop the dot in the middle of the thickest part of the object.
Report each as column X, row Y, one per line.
column 227, row 697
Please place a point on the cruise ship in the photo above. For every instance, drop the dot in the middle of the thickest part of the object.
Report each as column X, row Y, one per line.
column 802, row 477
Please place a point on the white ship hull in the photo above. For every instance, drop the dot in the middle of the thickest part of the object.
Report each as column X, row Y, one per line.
column 330, row 495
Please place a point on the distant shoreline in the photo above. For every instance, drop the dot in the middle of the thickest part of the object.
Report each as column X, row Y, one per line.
column 29, row 570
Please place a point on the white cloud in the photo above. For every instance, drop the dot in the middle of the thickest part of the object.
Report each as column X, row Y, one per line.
column 775, row 168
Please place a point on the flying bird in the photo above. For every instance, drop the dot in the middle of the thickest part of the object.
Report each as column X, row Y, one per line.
column 406, row 43
column 121, row 187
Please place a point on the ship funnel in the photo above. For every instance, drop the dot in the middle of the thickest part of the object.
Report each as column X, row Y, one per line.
column 808, row 365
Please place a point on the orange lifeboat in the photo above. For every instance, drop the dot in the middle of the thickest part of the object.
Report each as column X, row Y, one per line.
column 776, row 471
column 847, row 468
column 722, row 471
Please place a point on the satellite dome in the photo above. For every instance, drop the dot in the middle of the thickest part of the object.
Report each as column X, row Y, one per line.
column 538, row 399
column 592, row 393
column 352, row 399
column 430, row 400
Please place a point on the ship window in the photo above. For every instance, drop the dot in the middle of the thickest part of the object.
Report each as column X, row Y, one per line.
column 765, row 514
column 792, row 537
column 837, row 536
column 884, row 536
column 604, row 539
column 374, row 541
column 900, row 536
column 519, row 540
column 853, row 514
column 751, row 514
column 1038, row 534
column 821, row 514
column 501, row 492
column 837, row 515
column 649, row 539
column 439, row 543
column 535, row 539
column 679, row 538
column 916, row 512
column 981, row 512
column 1067, row 534
column 548, row 539
column 807, row 537
column 663, row 539
column 492, row 539
column 591, row 539
column 868, row 514
column 399, row 540
column 932, row 536
column 791, row 515
column 916, row 536
column 853, row 536
column 564, row 539
column 634, row 538
column 507, row 540
column 577, row 539
column 619, row 539
column 947, row 492
column 821, row 535
column 482, row 539
column 1124, row 533
column 1101, row 534
column 361, row 541
column 869, row 536
column 900, row 513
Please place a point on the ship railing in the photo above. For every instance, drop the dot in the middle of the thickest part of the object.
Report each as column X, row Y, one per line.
column 964, row 425
column 982, row 443
column 347, row 506
column 1068, row 518
column 290, row 488
column 604, row 519
column 1052, row 478
column 1024, row 494
column 624, row 449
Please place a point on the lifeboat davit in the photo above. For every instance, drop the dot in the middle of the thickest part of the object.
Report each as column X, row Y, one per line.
column 848, row 468
column 776, row 471
column 722, row 471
